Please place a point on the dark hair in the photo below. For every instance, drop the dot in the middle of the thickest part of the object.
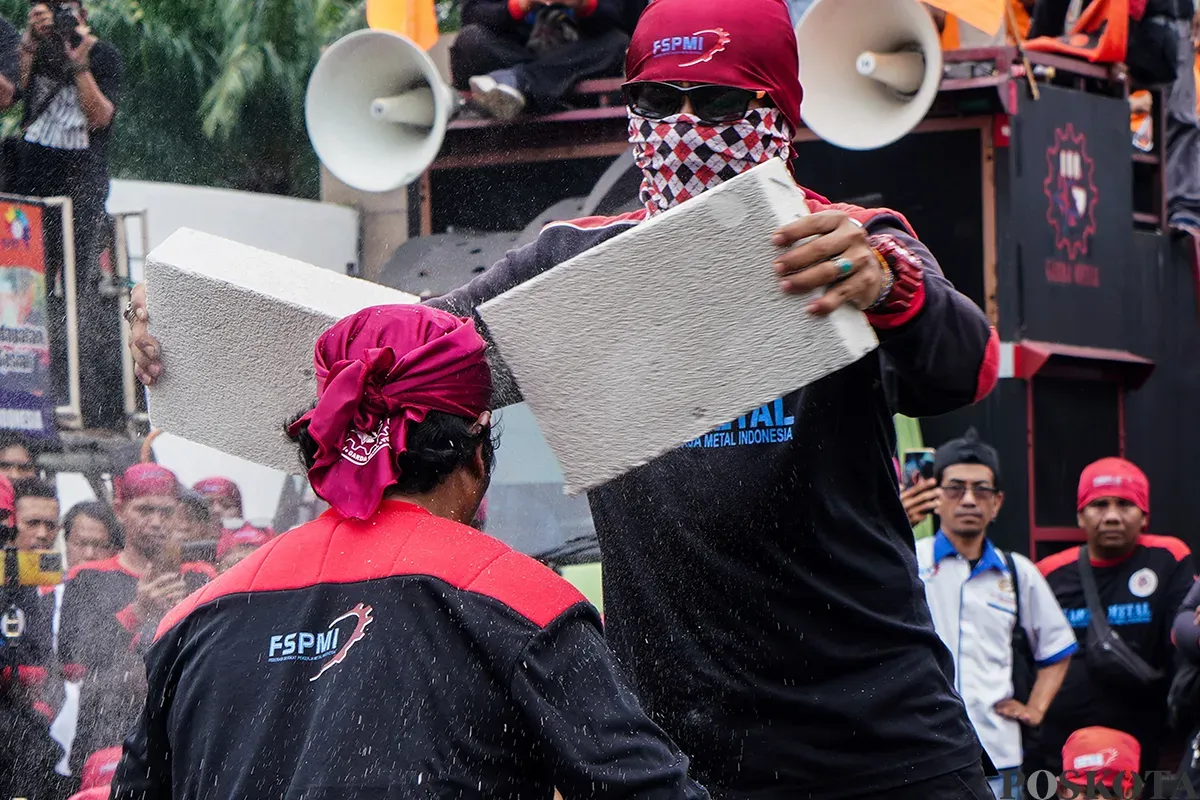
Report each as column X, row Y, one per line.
column 34, row 487
column 436, row 447
column 101, row 512
column 10, row 438
column 967, row 450
column 194, row 506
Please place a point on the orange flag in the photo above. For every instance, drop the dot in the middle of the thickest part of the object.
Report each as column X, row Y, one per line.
column 986, row 15
column 415, row 19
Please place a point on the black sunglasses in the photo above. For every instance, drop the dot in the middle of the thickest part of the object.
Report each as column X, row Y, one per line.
column 711, row 102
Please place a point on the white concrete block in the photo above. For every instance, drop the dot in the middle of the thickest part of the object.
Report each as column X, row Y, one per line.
column 237, row 327
column 662, row 333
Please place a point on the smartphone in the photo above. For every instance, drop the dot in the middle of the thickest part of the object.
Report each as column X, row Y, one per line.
column 916, row 465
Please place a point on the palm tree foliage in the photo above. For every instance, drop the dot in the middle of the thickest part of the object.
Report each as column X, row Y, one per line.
column 214, row 89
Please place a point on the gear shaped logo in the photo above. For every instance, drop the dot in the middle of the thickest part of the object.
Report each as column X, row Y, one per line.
column 1070, row 189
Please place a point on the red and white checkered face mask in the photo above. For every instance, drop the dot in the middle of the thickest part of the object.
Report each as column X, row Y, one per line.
column 680, row 156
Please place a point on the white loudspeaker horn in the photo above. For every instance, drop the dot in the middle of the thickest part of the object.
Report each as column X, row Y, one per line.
column 377, row 110
column 870, row 68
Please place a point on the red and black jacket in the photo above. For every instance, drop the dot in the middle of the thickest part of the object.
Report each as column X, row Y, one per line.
column 99, row 639
column 1142, row 594
column 402, row 657
column 760, row 582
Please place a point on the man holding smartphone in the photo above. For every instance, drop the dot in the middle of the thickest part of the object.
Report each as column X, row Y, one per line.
column 111, row 608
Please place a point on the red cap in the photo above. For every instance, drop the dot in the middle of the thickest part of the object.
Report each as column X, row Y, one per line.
column 219, row 487
column 8, row 498
column 99, row 793
column 1101, row 750
column 245, row 536
column 749, row 44
column 1114, row 477
column 146, row 479
column 99, row 768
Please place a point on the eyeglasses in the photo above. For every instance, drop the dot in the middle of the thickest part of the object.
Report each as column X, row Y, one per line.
column 712, row 103
column 955, row 491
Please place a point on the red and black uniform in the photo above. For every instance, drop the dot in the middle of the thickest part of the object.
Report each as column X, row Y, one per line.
column 98, row 640
column 401, row 656
column 1142, row 593
column 761, row 583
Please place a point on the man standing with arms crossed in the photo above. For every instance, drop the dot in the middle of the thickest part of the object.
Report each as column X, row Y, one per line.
column 764, row 597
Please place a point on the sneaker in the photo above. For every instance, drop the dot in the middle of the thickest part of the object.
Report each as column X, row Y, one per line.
column 499, row 100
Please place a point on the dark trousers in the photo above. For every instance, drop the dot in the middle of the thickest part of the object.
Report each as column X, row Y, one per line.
column 46, row 172
column 965, row 784
column 544, row 78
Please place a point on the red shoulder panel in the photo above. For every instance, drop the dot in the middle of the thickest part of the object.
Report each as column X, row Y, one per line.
column 1169, row 543
column 1058, row 561
column 199, row 567
column 596, row 223
column 107, row 565
column 401, row 539
column 989, row 370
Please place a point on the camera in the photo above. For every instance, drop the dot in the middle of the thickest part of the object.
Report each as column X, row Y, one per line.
column 65, row 24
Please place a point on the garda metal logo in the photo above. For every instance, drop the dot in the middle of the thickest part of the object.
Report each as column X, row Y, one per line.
column 329, row 646
column 1070, row 189
column 701, row 46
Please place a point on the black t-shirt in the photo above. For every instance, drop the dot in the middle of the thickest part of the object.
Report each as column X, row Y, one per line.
column 53, row 115
column 761, row 581
column 1142, row 594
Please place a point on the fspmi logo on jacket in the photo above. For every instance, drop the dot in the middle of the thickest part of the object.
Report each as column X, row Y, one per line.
column 330, row 645
column 767, row 424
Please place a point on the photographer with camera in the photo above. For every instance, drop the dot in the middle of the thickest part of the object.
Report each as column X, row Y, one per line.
column 70, row 82
column 28, row 756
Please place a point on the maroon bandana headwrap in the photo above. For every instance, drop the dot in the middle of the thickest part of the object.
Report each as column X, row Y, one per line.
column 749, row 44
column 378, row 371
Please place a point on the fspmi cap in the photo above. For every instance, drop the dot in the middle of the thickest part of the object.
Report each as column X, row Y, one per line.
column 1114, row 477
column 141, row 480
column 1105, row 751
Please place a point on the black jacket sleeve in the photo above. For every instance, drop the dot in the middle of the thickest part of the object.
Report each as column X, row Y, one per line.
column 495, row 16
column 92, row 628
column 598, row 740
column 607, row 14
column 1185, row 631
column 144, row 772
column 933, row 362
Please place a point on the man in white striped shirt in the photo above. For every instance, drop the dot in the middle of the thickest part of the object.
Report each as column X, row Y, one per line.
column 71, row 83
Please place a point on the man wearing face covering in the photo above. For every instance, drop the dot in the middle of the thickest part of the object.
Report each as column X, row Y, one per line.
column 386, row 649
column 764, row 595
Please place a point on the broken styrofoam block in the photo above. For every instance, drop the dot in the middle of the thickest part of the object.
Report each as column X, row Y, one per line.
column 237, row 327
column 669, row 330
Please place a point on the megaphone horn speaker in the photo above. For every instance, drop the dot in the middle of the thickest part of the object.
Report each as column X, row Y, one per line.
column 377, row 110
column 870, row 69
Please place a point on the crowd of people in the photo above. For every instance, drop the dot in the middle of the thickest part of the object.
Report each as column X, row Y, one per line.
column 1031, row 642
column 70, row 665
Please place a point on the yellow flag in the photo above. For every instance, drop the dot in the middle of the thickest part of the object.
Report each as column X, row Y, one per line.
column 415, row 19
column 986, row 15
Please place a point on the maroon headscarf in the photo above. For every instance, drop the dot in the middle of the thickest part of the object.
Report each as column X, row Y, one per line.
column 378, row 371
column 749, row 44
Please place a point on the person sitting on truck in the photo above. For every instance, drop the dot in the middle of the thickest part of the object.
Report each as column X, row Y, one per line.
column 514, row 54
